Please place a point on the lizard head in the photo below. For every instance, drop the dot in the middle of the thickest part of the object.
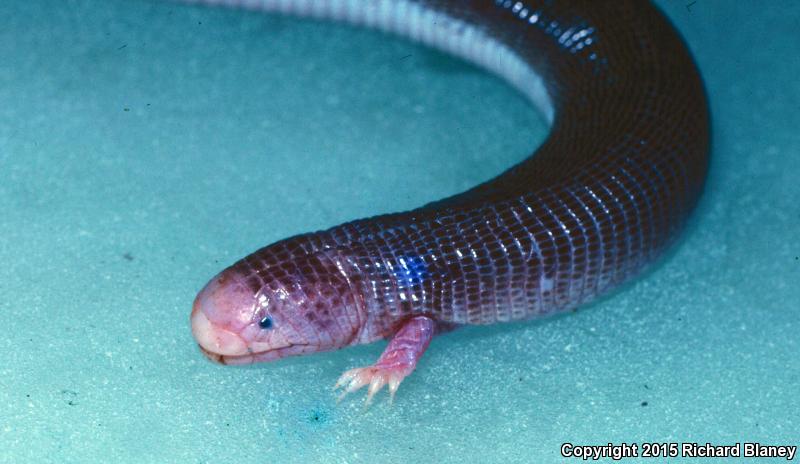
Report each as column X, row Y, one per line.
column 274, row 304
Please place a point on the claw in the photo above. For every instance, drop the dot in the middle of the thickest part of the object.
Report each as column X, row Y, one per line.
column 397, row 361
column 351, row 381
column 376, row 377
column 378, row 381
column 345, row 378
column 394, row 382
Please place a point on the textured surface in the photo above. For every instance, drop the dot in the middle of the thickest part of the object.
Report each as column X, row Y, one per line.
column 111, row 218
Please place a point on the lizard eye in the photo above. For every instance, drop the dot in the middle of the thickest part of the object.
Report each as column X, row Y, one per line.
column 265, row 323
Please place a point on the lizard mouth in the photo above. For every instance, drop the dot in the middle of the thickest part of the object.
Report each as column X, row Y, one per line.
column 254, row 357
column 227, row 347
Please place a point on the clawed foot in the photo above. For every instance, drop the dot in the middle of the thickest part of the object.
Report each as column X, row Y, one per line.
column 376, row 376
column 397, row 361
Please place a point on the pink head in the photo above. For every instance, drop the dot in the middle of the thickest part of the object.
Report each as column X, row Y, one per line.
column 271, row 305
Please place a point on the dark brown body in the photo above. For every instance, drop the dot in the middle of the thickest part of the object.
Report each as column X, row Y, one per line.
column 604, row 195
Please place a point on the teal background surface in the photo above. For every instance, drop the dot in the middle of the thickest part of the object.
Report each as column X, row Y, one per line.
column 146, row 145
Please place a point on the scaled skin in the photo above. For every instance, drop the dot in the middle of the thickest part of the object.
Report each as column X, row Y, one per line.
column 600, row 200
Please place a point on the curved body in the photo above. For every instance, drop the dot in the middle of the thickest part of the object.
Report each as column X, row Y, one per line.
column 601, row 198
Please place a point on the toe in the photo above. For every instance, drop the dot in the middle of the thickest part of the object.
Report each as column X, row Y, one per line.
column 375, row 377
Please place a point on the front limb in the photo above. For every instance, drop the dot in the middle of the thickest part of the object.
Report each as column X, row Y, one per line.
column 397, row 361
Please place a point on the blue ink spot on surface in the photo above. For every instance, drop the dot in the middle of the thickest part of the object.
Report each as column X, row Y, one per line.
column 318, row 416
